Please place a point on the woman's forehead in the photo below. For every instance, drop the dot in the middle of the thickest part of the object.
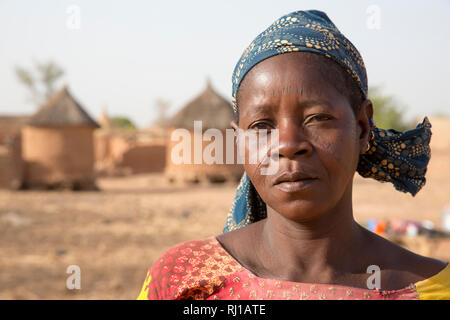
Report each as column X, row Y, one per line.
column 286, row 75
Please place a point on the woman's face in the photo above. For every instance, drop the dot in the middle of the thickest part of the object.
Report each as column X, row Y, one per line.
column 320, row 138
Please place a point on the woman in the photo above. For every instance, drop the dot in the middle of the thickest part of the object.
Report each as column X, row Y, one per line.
column 292, row 235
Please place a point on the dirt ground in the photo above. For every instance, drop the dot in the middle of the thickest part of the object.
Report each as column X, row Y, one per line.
column 116, row 234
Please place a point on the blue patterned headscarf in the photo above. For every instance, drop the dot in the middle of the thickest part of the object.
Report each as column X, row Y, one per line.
column 400, row 158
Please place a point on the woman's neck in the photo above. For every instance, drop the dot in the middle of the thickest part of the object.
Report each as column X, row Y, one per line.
column 327, row 247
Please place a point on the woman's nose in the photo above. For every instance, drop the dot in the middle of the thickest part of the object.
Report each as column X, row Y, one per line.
column 292, row 140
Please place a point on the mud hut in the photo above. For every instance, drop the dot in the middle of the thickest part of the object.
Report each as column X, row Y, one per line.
column 122, row 152
column 57, row 145
column 214, row 112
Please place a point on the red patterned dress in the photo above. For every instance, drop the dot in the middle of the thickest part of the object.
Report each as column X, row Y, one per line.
column 203, row 269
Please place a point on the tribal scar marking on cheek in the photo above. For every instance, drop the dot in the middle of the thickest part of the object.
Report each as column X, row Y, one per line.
column 260, row 151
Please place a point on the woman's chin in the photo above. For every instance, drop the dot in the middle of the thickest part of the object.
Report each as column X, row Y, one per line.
column 300, row 210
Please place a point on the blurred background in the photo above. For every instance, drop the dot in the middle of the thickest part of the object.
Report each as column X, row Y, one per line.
column 91, row 91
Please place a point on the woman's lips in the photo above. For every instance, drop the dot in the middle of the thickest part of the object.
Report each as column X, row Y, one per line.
column 295, row 181
column 295, row 186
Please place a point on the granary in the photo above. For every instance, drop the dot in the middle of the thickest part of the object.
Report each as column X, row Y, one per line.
column 214, row 112
column 57, row 145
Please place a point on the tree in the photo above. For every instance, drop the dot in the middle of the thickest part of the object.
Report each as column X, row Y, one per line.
column 41, row 81
column 121, row 122
column 387, row 112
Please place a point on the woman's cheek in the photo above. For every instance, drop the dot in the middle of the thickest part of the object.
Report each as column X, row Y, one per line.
column 258, row 180
column 258, row 162
column 334, row 149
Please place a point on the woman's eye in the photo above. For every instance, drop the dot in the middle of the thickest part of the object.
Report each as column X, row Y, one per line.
column 318, row 117
column 261, row 126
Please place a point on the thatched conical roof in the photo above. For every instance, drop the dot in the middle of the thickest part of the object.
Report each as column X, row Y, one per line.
column 62, row 109
column 210, row 107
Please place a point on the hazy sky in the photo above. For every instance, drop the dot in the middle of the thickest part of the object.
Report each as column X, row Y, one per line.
column 126, row 54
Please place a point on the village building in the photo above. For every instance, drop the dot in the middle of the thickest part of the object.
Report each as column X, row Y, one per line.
column 214, row 112
column 58, row 145
column 121, row 152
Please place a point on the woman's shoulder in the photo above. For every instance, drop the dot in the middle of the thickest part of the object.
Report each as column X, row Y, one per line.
column 402, row 257
column 191, row 269
column 433, row 281
column 404, row 266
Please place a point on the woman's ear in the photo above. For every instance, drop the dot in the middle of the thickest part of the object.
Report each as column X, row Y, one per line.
column 363, row 120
